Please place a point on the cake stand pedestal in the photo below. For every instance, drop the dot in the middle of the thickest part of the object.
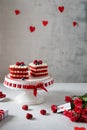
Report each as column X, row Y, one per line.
column 27, row 97
column 30, row 89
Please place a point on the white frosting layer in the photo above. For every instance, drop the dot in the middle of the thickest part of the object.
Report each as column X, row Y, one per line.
column 16, row 66
column 42, row 73
column 13, row 75
column 18, row 71
column 40, row 65
column 42, row 69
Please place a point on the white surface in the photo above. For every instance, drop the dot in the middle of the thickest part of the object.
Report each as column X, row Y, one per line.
column 56, row 94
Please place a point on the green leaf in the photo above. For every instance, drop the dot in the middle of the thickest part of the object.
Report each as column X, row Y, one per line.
column 85, row 99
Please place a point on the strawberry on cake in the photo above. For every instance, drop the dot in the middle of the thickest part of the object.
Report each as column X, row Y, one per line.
column 38, row 68
column 18, row 71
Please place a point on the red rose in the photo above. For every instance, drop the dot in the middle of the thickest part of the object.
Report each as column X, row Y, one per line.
column 84, row 116
column 78, row 102
column 78, row 110
column 66, row 113
column 68, row 99
column 74, row 118
column 84, row 111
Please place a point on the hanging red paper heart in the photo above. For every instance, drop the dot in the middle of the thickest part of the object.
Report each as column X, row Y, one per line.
column 45, row 22
column 61, row 8
column 75, row 23
column 17, row 12
column 32, row 28
column 79, row 128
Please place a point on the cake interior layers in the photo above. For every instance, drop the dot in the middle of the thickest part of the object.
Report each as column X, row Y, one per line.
column 37, row 70
column 18, row 72
column 18, row 76
column 38, row 74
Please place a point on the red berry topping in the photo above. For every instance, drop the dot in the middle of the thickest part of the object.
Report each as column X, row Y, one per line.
column 25, row 107
column 0, row 93
column 29, row 116
column 43, row 112
column 22, row 62
column 17, row 63
column 40, row 62
column 35, row 61
column 54, row 108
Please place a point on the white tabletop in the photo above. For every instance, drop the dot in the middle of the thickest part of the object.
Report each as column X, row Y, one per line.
column 17, row 120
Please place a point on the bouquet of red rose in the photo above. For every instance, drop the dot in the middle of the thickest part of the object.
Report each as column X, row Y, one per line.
column 78, row 111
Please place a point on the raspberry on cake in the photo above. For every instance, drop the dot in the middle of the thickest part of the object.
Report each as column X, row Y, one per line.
column 38, row 68
column 18, row 71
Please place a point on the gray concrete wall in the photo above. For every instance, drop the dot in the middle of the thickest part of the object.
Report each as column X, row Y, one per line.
column 60, row 43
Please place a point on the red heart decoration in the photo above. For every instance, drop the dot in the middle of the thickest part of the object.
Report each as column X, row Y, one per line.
column 17, row 12
column 79, row 128
column 61, row 8
column 44, row 22
column 32, row 28
column 75, row 23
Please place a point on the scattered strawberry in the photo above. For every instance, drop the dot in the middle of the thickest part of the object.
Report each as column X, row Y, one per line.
column 29, row 116
column 43, row 112
column 54, row 108
column 0, row 92
column 25, row 107
column 2, row 95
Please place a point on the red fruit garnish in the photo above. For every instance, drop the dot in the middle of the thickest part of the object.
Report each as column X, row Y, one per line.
column 25, row 107
column 29, row 116
column 43, row 112
column 35, row 61
column 22, row 62
column 0, row 93
column 54, row 108
column 40, row 62
column 17, row 63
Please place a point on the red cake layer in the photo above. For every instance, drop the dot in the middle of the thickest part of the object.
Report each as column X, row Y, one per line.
column 13, row 73
column 35, row 75
column 38, row 67
column 18, row 76
column 38, row 71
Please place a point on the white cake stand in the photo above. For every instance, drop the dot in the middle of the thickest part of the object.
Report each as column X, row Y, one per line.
column 30, row 88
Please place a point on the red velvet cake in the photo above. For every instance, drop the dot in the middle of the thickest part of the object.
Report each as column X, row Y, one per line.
column 38, row 68
column 18, row 71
